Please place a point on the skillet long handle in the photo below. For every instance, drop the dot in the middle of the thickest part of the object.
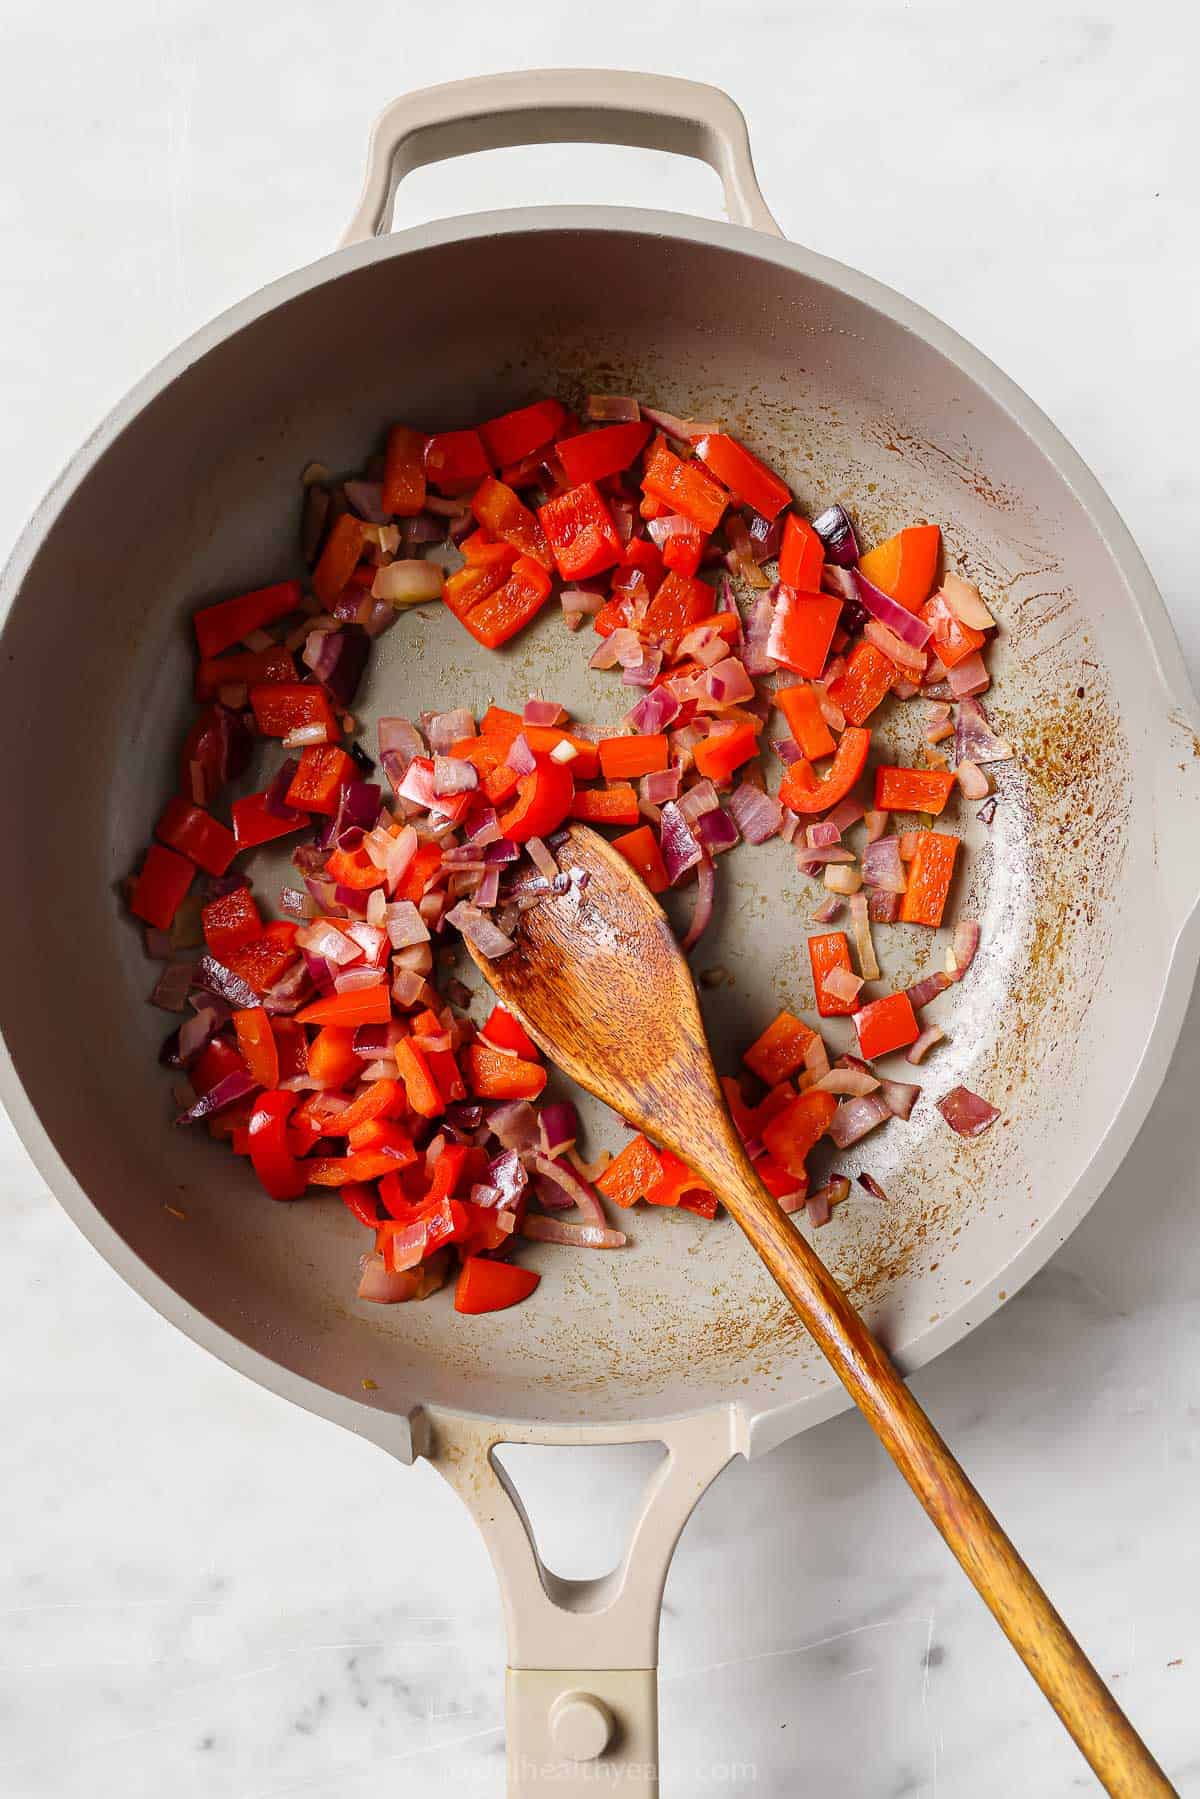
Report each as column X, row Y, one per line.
column 1118, row 1756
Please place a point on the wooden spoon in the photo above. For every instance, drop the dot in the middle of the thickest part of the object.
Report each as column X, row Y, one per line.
column 601, row 985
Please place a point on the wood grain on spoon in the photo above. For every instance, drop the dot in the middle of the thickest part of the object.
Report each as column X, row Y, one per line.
column 598, row 980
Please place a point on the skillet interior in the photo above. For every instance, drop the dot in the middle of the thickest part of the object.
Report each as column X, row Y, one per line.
column 198, row 497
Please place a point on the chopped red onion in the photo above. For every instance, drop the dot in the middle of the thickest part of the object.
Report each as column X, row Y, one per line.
column 611, row 409
column 227, row 1092
column 727, row 682
column 846, row 813
column 966, row 1113
column 480, row 931
column 542, row 858
column 755, row 657
column 860, row 923
column 578, row 603
column 836, row 532
column 974, row 739
column 558, row 1125
column 841, row 984
column 216, row 978
column 408, row 988
column 872, row 1186
column 882, row 867
column 854, row 1083
column 503, row 851
column 171, row 989
column 766, row 534
column 654, row 711
column 819, row 1204
column 971, row 778
column 906, row 625
column 855, row 1117
column 706, row 881
column 966, row 603
column 969, row 677
column 555, row 1181
column 543, row 712
column 487, row 894
column 758, row 815
column 829, row 910
column 353, row 980
column 646, row 671
column 520, row 758
column 927, row 989
column 453, row 774
column 823, row 834
column 899, row 1097
column 788, row 750
column 717, row 832
column 445, row 729
column 408, row 582
column 274, row 800
column 896, row 650
column 514, row 1124
column 405, row 926
column 699, row 798
column 660, row 785
column 919, row 1050
column 680, row 850
column 963, row 948
column 577, row 1236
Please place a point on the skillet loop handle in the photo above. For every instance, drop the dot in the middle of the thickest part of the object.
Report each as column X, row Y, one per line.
column 581, row 1695
column 559, row 106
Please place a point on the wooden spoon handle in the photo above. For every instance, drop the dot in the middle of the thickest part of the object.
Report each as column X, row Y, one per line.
column 1119, row 1758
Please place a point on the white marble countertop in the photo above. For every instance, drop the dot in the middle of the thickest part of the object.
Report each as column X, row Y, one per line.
column 193, row 1599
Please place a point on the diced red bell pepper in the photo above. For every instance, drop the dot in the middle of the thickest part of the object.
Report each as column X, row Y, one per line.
column 382, row 1099
column 256, row 1041
column 316, row 785
column 402, row 1192
column 335, row 1171
column 383, row 1136
column 912, row 789
column 263, row 961
column 799, row 795
column 792, row 1133
column 353, row 868
column 339, row 558
column 291, row 1045
column 625, row 758
column 864, row 684
column 501, row 511
column 456, row 461
column 596, row 454
column 424, row 1094
column 802, row 709
column 216, row 750
column 331, row 1057
column 503, row 1031
column 680, row 603
column 447, row 1171
column 254, row 824
column 640, row 556
column 482, row 550
column 719, row 755
column 490, row 1075
column 905, row 566
column 580, row 530
column 443, row 1066
column 675, row 1182
column 244, row 668
column 276, row 1167
column 515, row 435
column 930, row 873
column 504, row 725
column 826, row 952
column 216, row 1061
column 229, row 922
column 777, row 1180
column 802, row 630
column 420, row 871
column 362, row 1005
column 487, row 756
column 614, row 615
column 616, row 804
column 630, row 1175
column 161, row 886
column 493, row 606
column 228, row 622
column 952, row 640
column 684, row 549
column 683, row 487
column 885, row 1025
column 801, row 555
column 282, row 707
column 543, row 800
column 197, row 835
column 747, row 478
column 404, row 472
column 363, row 1202
column 490, row 1286
column 781, row 1049
column 640, row 849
